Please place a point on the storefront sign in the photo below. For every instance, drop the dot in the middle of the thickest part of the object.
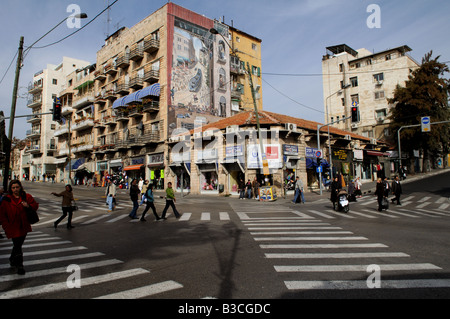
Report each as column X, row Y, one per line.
column 137, row 161
column 234, row 151
column 358, row 155
column 273, row 155
column 311, row 152
column 340, row 155
column 156, row 159
column 290, row 149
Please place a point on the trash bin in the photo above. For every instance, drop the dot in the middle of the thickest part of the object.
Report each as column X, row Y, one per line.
column 221, row 188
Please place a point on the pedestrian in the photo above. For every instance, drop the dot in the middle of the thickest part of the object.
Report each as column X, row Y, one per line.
column 248, row 189
column 335, row 188
column 14, row 220
column 298, row 190
column 2, row 191
column 134, row 195
column 111, row 192
column 170, row 201
column 358, row 187
column 148, row 200
column 255, row 188
column 144, row 189
column 67, row 196
column 380, row 193
column 396, row 190
column 241, row 189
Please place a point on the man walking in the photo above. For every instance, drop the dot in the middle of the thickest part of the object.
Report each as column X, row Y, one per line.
column 170, row 199
column 298, row 190
column 111, row 193
column 396, row 190
column 134, row 196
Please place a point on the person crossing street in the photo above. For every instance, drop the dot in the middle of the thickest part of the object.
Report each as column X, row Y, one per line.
column 170, row 201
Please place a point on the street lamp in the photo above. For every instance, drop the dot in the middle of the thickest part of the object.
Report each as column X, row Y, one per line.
column 15, row 89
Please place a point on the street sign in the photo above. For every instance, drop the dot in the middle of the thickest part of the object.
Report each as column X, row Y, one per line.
column 318, row 154
column 319, row 169
column 426, row 126
column 355, row 103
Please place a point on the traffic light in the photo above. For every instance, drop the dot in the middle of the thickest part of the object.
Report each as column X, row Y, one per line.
column 56, row 110
column 355, row 114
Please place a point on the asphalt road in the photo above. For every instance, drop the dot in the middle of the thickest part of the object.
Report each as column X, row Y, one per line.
column 231, row 249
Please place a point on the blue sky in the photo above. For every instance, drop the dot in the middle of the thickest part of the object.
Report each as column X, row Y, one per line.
column 294, row 36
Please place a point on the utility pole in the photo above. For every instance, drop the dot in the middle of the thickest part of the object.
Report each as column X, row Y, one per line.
column 13, row 112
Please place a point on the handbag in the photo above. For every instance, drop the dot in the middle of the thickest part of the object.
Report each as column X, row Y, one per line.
column 74, row 206
column 32, row 215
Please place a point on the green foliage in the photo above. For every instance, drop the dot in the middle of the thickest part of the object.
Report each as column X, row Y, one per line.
column 426, row 93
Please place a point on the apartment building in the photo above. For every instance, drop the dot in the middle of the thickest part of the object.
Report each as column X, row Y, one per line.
column 363, row 78
column 44, row 88
column 367, row 80
column 165, row 75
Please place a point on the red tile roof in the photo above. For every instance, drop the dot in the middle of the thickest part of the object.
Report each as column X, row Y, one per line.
column 270, row 118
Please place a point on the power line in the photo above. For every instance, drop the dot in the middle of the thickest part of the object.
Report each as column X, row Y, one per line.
column 6, row 72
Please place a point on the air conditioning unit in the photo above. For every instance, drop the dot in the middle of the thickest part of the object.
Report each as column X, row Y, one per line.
column 290, row 127
column 197, row 135
column 373, row 141
column 380, row 82
column 354, row 126
column 380, row 119
column 175, row 139
column 348, row 137
column 233, row 129
column 208, row 133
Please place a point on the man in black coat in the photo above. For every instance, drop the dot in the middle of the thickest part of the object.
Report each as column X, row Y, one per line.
column 396, row 190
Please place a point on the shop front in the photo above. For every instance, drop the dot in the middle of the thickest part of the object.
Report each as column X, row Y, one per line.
column 181, row 167
column 155, row 163
column 208, row 168
column 136, row 170
column 274, row 160
column 234, row 167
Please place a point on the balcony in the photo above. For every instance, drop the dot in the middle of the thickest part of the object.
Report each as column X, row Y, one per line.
column 35, row 102
column 100, row 75
column 110, row 69
column 110, row 94
column 66, row 110
column 122, row 116
column 151, row 76
column 151, row 106
column 151, row 45
column 34, row 149
column 123, row 61
column 136, row 83
column 136, row 53
column 136, row 112
column 83, row 101
column 33, row 133
column 36, row 87
column 111, row 120
column 122, row 88
column 83, row 124
column 34, row 118
column 61, row 131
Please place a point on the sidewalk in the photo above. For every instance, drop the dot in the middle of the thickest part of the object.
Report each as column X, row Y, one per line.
column 368, row 188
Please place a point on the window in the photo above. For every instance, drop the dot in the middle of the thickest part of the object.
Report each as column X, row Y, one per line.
column 254, row 47
column 341, row 67
column 354, row 81
column 380, row 113
column 55, row 82
column 379, row 95
column 378, row 77
column 343, row 101
column 388, row 57
column 355, row 98
column 256, row 70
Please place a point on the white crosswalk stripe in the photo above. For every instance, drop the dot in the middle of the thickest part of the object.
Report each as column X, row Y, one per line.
column 47, row 265
column 305, row 241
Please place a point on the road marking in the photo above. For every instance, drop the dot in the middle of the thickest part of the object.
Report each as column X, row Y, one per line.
column 224, row 216
column 308, row 238
column 424, row 199
column 144, row 291
column 321, row 214
column 96, row 219
column 41, row 244
column 322, row 246
column 418, row 213
column 362, row 268
column 206, row 216
column 362, row 284
column 302, row 233
column 185, row 217
column 380, row 213
column 362, row 214
column 293, row 228
column 408, row 198
column 51, row 251
column 117, row 218
column 423, row 205
column 51, row 288
column 335, row 255
column 341, row 214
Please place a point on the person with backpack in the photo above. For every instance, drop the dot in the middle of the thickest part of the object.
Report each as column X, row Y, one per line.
column 149, row 202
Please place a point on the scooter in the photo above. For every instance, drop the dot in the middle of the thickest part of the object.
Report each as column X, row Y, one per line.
column 342, row 202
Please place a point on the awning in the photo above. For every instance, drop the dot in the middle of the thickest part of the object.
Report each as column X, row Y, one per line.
column 119, row 102
column 153, row 90
column 133, row 167
column 133, row 97
column 376, row 153
column 60, row 161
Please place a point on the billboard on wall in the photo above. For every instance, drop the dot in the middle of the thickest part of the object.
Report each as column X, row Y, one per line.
column 199, row 87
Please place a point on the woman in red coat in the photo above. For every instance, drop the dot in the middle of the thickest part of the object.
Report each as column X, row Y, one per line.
column 14, row 220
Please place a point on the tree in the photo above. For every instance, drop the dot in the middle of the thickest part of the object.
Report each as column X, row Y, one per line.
column 425, row 93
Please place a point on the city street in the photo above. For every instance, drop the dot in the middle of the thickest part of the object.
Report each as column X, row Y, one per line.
column 226, row 248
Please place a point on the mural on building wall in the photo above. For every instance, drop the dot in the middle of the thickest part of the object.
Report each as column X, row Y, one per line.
column 199, row 89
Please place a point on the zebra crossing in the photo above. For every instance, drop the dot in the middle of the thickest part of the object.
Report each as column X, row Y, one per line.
column 310, row 254
column 90, row 212
column 47, row 260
